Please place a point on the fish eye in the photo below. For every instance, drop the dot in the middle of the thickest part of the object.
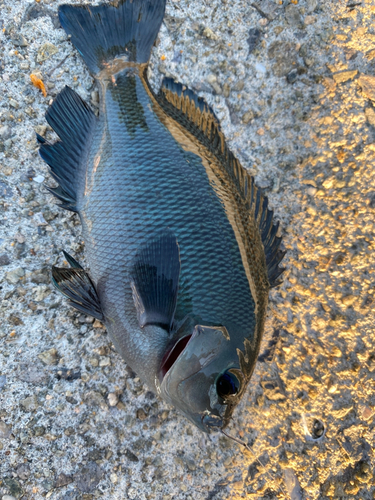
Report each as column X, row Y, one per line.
column 227, row 385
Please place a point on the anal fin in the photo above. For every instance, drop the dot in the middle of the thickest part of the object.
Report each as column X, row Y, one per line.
column 73, row 121
column 155, row 275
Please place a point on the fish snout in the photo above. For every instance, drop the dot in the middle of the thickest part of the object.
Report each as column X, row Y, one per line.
column 212, row 421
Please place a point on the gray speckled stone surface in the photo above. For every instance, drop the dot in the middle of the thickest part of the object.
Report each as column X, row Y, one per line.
column 292, row 84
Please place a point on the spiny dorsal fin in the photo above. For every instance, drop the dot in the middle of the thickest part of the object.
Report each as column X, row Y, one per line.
column 191, row 111
column 73, row 121
column 269, row 353
column 154, row 280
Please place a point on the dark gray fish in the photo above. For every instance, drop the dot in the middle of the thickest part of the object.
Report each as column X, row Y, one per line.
column 181, row 245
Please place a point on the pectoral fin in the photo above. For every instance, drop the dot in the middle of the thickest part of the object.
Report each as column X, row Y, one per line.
column 154, row 280
column 76, row 285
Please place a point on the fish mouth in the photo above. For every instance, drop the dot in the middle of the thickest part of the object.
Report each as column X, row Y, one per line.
column 172, row 355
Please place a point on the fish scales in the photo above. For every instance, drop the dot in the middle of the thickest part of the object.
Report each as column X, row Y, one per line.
column 161, row 186
column 180, row 244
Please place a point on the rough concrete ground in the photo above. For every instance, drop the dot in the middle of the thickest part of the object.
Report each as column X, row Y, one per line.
column 292, row 83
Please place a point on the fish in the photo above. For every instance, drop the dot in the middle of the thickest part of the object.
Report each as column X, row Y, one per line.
column 181, row 245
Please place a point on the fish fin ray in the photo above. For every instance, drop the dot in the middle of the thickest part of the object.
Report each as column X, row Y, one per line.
column 120, row 28
column 76, row 285
column 242, row 361
column 68, row 202
column 271, row 242
column 269, row 353
column 40, row 139
column 155, row 278
column 192, row 112
column 72, row 261
column 183, row 96
column 73, row 120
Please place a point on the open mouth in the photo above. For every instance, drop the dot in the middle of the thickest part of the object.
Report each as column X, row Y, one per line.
column 172, row 355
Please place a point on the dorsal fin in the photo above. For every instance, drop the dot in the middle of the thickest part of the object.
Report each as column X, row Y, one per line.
column 193, row 113
column 183, row 98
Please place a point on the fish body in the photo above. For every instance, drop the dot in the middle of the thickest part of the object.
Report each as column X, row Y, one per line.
column 180, row 243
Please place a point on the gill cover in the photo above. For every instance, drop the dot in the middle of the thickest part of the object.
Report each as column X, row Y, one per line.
column 190, row 384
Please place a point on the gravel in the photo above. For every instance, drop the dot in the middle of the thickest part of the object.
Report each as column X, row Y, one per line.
column 292, row 84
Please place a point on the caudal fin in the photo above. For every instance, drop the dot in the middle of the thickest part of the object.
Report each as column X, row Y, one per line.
column 123, row 28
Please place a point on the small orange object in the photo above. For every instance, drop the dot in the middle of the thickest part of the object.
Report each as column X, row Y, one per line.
column 37, row 82
column 12, row 334
column 163, row 58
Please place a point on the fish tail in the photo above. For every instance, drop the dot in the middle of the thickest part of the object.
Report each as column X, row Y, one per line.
column 122, row 28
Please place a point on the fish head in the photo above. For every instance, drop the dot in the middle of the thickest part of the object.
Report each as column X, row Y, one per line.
column 202, row 377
